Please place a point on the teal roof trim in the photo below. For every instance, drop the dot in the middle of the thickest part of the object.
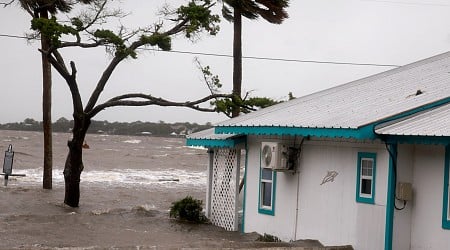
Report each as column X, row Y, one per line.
column 215, row 143
column 365, row 132
column 415, row 139
column 416, row 110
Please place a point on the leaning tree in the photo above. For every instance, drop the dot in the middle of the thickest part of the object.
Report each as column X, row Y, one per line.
column 88, row 30
column 273, row 11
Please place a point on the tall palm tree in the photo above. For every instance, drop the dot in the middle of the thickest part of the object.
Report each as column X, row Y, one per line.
column 42, row 9
column 273, row 11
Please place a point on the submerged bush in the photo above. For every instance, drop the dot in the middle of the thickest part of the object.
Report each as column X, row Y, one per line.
column 268, row 238
column 188, row 209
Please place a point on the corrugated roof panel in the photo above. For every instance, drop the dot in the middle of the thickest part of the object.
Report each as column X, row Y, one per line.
column 207, row 138
column 360, row 102
column 435, row 122
column 208, row 134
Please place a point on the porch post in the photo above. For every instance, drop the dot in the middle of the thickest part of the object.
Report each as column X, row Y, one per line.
column 210, row 181
column 236, row 188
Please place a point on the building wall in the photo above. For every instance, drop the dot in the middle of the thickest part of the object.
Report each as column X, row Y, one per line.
column 426, row 216
column 402, row 218
column 328, row 212
column 282, row 223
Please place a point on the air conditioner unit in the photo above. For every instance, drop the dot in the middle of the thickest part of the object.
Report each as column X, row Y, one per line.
column 275, row 156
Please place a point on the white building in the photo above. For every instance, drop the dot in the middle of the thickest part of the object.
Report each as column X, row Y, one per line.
column 365, row 163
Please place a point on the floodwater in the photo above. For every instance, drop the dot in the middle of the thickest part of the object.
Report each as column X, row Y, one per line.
column 127, row 187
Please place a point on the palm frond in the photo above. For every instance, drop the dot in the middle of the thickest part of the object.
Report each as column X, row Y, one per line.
column 274, row 11
column 227, row 13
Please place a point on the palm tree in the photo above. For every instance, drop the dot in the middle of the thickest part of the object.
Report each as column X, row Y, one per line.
column 42, row 9
column 272, row 11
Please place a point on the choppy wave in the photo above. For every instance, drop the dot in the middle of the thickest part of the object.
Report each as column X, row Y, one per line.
column 170, row 178
column 133, row 141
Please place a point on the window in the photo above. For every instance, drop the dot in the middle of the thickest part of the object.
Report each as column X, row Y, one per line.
column 446, row 200
column 267, row 185
column 366, row 172
column 266, row 188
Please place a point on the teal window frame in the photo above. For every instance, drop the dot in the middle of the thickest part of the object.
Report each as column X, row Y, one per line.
column 268, row 210
column 369, row 199
column 446, row 198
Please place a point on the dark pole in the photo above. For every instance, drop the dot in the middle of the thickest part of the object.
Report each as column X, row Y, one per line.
column 237, row 58
column 46, row 109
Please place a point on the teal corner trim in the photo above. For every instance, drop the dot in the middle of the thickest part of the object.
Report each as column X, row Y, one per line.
column 244, row 199
column 215, row 143
column 445, row 208
column 389, row 224
column 359, row 198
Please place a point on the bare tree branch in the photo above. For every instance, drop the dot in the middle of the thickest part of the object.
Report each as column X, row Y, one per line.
column 101, row 83
column 97, row 15
column 82, row 45
column 61, row 68
column 124, row 100
column 60, row 59
column 6, row 4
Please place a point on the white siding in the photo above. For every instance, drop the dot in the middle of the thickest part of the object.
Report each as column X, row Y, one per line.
column 282, row 223
column 402, row 218
column 427, row 232
column 328, row 212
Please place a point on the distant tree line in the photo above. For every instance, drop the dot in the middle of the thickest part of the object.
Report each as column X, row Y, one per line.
column 114, row 128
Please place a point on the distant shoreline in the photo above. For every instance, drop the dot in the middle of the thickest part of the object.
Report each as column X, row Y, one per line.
column 138, row 128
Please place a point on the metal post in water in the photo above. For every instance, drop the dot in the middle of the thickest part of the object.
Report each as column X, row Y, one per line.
column 8, row 163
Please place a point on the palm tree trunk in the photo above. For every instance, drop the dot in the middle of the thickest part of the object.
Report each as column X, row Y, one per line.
column 46, row 110
column 237, row 58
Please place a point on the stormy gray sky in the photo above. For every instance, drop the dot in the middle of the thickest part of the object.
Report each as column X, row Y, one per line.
column 394, row 32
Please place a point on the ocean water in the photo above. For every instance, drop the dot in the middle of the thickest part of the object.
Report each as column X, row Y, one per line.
column 127, row 187
column 112, row 160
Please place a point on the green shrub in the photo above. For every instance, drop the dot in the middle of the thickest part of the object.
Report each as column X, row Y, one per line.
column 188, row 209
column 268, row 238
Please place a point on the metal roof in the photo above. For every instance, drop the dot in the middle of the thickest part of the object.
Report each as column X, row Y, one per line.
column 360, row 102
column 208, row 134
column 207, row 138
column 435, row 122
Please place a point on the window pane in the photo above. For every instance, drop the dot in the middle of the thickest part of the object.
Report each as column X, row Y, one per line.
column 366, row 167
column 266, row 194
column 366, row 186
column 266, row 174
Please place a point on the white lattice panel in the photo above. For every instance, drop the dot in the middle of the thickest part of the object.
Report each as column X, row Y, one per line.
column 224, row 193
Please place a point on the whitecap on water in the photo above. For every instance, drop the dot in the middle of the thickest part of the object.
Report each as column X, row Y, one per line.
column 132, row 141
column 170, row 178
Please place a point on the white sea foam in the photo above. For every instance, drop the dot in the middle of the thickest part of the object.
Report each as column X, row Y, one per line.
column 111, row 149
column 163, row 155
column 170, row 178
column 133, row 141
